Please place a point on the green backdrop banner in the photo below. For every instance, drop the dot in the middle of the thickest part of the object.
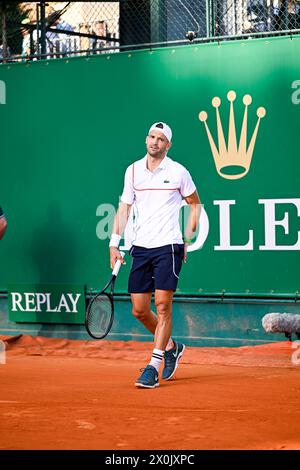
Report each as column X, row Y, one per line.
column 70, row 127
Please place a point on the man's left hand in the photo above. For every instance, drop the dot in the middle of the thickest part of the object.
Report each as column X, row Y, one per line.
column 185, row 252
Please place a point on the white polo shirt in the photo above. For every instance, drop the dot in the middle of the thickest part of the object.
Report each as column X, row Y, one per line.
column 157, row 198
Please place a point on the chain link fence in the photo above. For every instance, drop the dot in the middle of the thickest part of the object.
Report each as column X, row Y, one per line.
column 36, row 30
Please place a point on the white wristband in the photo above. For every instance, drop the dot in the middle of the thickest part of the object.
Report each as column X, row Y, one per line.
column 115, row 240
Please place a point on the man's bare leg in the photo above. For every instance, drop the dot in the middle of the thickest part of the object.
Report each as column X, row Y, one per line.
column 141, row 309
column 163, row 303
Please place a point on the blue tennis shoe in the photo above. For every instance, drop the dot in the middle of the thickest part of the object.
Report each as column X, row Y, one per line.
column 171, row 360
column 148, row 379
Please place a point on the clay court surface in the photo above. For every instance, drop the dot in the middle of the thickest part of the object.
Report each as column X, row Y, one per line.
column 71, row 394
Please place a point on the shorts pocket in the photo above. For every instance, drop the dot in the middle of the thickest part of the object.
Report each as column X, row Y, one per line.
column 131, row 251
column 179, row 250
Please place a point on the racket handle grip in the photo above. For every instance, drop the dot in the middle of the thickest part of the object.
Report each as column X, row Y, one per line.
column 118, row 265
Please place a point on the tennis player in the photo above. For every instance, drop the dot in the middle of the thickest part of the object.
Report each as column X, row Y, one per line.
column 3, row 223
column 156, row 186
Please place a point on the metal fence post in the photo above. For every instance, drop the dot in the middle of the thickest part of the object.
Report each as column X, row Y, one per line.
column 156, row 19
column 208, row 18
column 43, row 28
column 4, row 32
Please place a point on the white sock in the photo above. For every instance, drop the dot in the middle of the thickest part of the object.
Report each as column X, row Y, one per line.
column 156, row 359
column 170, row 345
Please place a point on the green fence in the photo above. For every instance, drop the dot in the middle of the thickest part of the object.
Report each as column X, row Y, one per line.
column 70, row 128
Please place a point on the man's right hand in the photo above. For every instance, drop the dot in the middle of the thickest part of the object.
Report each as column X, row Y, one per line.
column 185, row 251
column 3, row 225
column 114, row 256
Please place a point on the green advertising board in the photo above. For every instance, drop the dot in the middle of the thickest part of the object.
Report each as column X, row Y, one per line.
column 46, row 303
column 70, row 127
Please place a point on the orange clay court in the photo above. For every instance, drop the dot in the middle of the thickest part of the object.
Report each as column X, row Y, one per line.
column 73, row 394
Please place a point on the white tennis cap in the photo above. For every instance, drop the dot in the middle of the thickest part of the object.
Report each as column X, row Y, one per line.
column 162, row 127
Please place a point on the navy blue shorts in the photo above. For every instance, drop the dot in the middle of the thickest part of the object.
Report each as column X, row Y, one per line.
column 155, row 268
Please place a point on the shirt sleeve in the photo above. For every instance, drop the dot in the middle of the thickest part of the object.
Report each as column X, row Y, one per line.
column 128, row 191
column 187, row 186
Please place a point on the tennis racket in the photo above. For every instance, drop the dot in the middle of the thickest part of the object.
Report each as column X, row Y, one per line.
column 99, row 315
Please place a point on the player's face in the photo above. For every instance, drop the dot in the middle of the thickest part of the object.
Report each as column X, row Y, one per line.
column 157, row 144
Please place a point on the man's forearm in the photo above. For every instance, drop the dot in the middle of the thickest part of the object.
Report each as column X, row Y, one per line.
column 119, row 226
column 121, row 219
column 3, row 225
column 193, row 221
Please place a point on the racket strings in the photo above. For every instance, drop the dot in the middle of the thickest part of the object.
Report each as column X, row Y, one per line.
column 100, row 315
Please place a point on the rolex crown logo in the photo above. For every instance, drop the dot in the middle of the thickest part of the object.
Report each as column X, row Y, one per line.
column 232, row 161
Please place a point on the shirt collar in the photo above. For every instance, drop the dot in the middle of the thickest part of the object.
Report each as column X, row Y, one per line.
column 162, row 165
